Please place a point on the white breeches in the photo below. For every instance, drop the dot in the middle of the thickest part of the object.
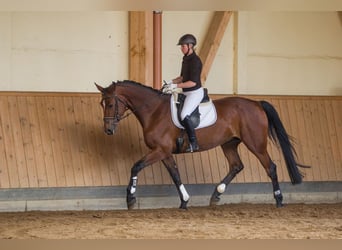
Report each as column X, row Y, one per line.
column 192, row 100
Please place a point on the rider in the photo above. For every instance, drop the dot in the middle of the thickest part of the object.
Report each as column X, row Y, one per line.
column 190, row 81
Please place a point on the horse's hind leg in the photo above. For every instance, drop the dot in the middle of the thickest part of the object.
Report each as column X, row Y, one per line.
column 235, row 166
column 271, row 170
column 171, row 167
column 272, row 173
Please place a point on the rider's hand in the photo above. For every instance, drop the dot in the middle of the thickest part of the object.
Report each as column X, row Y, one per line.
column 168, row 87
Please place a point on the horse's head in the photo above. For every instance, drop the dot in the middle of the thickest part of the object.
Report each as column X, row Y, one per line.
column 113, row 108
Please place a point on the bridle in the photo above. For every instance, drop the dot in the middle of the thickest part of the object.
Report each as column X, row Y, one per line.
column 117, row 118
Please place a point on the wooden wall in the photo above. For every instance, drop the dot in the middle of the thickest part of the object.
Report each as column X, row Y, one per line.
column 56, row 140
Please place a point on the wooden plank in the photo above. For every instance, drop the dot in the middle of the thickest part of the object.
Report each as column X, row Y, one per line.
column 12, row 165
column 37, row 143
column 18, row 142
column 336, row 160
column 198, row 169
column 44, row 124
column 212, row 40
column 26, row 125
column 338, row 126
column 4, row 165
column 190, row 168
column 81, row 141
column 319, row 141
column 206, row 167
column 73, row 141
column 327, row 166
column 55, row 140
column 63, row 141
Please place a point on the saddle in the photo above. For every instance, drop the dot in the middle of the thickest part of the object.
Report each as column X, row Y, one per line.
column 204, row 115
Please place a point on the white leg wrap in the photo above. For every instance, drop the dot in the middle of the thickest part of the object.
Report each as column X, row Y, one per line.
column 134, row 185
column 221, row 188
column 277, row 192
column 184, row 193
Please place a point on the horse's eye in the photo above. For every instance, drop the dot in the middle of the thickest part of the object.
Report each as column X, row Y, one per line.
column 110, row 106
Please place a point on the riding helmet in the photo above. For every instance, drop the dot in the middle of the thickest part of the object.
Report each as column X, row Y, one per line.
column 187, row 39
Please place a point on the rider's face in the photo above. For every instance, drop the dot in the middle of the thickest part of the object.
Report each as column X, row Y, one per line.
column 185, row 49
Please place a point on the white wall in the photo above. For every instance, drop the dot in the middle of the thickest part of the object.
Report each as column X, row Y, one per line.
column 296, row 53
column 62, row 51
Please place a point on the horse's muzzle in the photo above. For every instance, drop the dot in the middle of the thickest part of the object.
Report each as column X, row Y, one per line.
column 109, row 125
column 109, row 131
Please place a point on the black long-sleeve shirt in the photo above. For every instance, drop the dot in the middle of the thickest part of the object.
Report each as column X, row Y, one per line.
column 191, row 71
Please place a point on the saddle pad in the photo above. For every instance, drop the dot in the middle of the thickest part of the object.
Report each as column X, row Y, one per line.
column 207, row 110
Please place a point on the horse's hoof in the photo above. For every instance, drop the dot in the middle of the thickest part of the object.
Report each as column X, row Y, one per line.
column 131, row 203
column 279, row 205
column 184, row 205
column 214, row 200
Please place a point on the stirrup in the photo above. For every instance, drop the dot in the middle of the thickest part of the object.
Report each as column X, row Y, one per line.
column 192, row 148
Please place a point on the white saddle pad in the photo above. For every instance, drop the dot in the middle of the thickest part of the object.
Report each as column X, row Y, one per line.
column 207, row 111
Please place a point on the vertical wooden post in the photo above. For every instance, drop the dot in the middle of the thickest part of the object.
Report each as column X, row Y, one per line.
column 141, row 47
column 235, row 54
column 157, row 49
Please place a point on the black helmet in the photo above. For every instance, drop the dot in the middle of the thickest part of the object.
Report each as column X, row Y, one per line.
column 187, row 39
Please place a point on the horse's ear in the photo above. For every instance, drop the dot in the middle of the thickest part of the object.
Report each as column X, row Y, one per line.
column 99, row 87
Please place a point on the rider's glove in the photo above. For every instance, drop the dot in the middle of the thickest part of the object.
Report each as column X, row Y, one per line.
column 168, row 87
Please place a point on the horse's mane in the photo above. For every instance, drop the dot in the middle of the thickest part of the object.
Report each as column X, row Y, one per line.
column 138, row 84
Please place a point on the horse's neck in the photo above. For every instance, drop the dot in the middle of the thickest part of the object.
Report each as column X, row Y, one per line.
column 144, row 103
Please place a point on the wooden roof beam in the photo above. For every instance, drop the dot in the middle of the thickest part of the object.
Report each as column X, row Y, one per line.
column 212, row 40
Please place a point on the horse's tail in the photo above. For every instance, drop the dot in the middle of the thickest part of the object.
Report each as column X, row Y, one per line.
column 279, row 135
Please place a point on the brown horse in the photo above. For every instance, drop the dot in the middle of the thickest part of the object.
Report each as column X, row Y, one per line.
column 238, row 120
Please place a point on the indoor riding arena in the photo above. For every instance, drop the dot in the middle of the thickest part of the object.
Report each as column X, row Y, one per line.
column 62, row 177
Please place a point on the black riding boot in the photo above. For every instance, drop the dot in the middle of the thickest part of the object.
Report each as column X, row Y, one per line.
column 193, row 146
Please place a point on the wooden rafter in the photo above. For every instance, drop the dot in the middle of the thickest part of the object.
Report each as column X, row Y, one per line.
column 212, row 40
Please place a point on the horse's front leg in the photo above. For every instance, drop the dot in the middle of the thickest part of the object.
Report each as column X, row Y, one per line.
column 132, row 186
column 149, row 159
column 171, row 167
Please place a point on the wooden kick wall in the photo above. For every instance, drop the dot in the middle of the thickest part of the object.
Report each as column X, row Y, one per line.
column 56, row 140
